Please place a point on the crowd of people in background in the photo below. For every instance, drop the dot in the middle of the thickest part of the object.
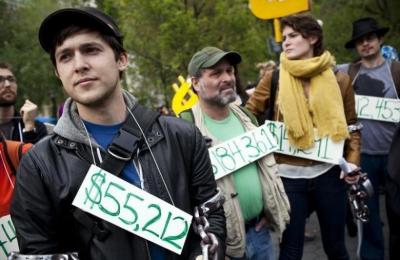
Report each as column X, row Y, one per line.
column 166, row 155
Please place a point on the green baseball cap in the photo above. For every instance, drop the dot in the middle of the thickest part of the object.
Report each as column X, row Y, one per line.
column 209, row 56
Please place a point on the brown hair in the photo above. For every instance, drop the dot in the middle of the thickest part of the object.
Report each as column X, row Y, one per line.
column 307, row 26
column 5, row 66
column 115, row 45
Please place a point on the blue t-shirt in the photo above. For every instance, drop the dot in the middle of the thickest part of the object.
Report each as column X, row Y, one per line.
column 104, row 134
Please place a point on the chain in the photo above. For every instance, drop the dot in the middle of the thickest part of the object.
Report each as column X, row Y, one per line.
column 209, row 242
column 17, row 256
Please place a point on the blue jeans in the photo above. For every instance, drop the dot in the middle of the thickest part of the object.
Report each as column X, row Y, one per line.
column 372, row 246
column 259, row 245
column 326, row 195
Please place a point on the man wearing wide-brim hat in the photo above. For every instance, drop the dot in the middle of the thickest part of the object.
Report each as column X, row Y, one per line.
column 372, row 75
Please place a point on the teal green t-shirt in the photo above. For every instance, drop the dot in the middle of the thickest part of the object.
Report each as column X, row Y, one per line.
column 246, row 179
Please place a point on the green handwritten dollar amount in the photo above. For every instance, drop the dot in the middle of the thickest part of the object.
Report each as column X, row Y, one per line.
column 381, row 109
column 94, row 193
column 104, row 194
column 8, row 237
column 235, row 153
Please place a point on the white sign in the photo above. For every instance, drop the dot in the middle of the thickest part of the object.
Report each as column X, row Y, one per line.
column 237, row 152
column 8, row 237
column 324, row 150
column 126, row 206
column 375, row 108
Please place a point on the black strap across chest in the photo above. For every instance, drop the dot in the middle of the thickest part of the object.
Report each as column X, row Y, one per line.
column 128, row 139
column 121, row 150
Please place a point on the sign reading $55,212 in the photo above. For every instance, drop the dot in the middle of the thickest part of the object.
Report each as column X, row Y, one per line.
column 126, row 206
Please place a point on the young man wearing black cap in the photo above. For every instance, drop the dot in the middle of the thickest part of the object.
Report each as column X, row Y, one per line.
column 372, row 75
column 99, row 126
column 255, row 199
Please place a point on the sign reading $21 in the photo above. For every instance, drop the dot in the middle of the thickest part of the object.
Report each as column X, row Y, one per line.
column 324, row 150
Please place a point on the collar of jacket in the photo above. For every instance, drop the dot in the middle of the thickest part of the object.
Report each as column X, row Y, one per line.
column 70, row 125
column 83, row 150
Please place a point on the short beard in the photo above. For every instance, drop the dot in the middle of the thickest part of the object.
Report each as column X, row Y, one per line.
column 7, row 103
column 218, row 101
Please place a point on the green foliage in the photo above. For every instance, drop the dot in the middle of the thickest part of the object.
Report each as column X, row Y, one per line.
column 20, row 48
column 162, row 35
column 338, row 15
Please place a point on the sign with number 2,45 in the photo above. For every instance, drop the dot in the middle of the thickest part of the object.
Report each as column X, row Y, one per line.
column 126, row 206
column 375, row 108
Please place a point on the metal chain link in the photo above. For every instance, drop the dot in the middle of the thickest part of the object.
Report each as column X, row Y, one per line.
column 69, row 256
column 209, row 242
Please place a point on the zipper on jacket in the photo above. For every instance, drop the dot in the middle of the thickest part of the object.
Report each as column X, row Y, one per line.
column 147, row 249
column 139, row 170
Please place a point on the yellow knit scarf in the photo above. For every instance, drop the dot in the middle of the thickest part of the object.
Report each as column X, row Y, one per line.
column 324, row 107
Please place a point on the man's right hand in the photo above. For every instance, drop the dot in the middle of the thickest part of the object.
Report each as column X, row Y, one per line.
column 29, row 111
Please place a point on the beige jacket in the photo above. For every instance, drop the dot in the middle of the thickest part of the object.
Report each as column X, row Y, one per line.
column 276, row 203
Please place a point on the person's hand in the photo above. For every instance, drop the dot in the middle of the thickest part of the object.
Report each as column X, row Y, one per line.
column 353, row 176
column 263, row 221
column 29, row 112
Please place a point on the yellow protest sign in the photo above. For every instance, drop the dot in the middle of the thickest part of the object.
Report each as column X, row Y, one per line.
column 184, row 97
column 269, row 9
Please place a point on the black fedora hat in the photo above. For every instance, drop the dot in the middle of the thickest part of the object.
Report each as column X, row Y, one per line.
column 83, row 16
column 362, row 27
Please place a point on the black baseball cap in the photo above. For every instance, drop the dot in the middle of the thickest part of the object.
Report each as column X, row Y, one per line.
column 81, row 16
column 209, row 56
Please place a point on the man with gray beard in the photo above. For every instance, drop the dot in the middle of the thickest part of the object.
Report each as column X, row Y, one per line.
column 255, row 199
column 13, row 125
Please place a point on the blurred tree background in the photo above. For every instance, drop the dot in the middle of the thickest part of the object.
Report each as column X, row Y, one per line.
column 162, row 35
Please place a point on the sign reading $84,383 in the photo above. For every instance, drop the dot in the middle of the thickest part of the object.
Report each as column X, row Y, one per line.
column 126, row 206
column 237, row 152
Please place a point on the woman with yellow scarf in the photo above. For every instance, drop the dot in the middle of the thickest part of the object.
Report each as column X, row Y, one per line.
column 310, row 95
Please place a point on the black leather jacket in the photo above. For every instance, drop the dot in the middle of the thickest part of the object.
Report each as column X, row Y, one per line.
column 27, row 137
column 52, row 172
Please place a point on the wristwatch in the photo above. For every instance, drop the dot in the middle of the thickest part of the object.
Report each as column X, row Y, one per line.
column 29, row 131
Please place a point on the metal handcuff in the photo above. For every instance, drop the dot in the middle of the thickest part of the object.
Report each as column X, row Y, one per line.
column 209, row 242
column 69, row 256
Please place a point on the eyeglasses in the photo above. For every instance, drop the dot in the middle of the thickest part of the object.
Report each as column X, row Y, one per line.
column 10, row 79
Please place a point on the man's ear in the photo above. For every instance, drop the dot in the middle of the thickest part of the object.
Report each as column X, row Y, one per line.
column 123, row 61
column 56, row 73
column 195, row 84
column 380, row 39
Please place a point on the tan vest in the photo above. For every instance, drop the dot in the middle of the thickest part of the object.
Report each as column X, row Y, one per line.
column 276, row 203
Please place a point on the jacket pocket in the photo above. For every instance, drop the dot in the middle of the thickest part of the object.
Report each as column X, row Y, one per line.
column 234, row 238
